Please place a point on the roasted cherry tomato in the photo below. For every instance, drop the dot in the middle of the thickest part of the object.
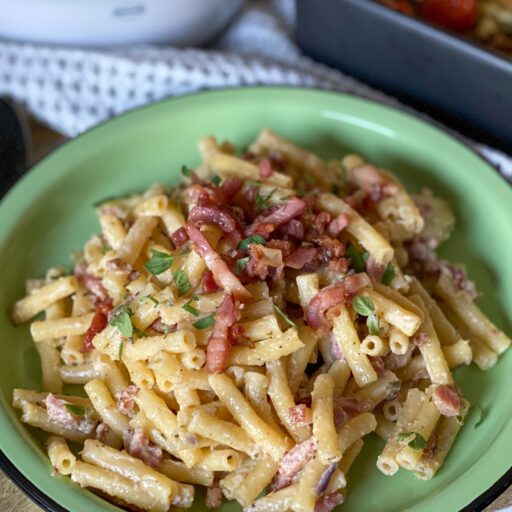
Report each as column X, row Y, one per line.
column 459, row 15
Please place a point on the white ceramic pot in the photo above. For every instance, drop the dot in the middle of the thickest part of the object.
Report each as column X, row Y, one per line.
column 115, row 22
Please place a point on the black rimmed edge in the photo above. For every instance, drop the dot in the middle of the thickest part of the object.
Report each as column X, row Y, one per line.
column 479, row 503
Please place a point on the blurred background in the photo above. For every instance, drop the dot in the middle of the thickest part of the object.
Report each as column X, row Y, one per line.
column 66, row 66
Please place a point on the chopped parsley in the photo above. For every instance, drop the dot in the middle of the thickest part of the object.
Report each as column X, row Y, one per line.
column 181, row 281
column 240, row 265
column 76, row 410
column 105, row 248
column 215, row 180
column 358, row 259
column 189, row 308
column 205, row 322
column 152, row 299
column 263, row 201
column 121, row 347
column 186, row 171
column 335, row 189
column 122, row 321
column 389, row 274
column 253, row 239
column 365, row 307
column 284, row 316
column 139, row 333
column 159, row 262
column 417, row 441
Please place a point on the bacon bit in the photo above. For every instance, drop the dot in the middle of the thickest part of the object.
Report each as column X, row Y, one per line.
column 301, row 414
column 300, row 257
column 337, row 225
column 125, row 400
column 219, row 343
column 396, row 361
column 375, row 270
column 98, row 323
column 447, row 400
column 179, row 237
column 331, row 248
column 208, row 284
column 283, row 245
column 420, row 338
column 332, row 295
column 294, row 228
column 222, row 274
column 378, row 365
column 336, row 349
column 277, row 159
column 213, row 496
column 324, row 479
column 321, row 221
column 134, row 274
column 329, row 502
column 162, row 328
column 429, row 451
column 228, row 189
column 137, row 445
column 340, row 265
column 91, row 283
column 293, row 208
column 57, row 412
column 303, row 396
column 265, row 168
column 368, row 178
column 346, row 408
column 292, row 462
column 212, row 215
column 260, row 264
column 102, row 431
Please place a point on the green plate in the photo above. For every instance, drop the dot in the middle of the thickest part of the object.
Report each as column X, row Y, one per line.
column 49, row 214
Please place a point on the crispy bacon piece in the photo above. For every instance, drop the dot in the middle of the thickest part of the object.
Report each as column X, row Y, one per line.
column 228, row 189
column 301, row 414
column 333, row 295
column 292, row 462
column 329, row 502
column 213, row 496
column 378, row 365
column 293, row 208
column 300, row 257
column 265, row 168
column 213, row 215
column 219, row 344
column 375, row 270
column 337, row 225
column 346, row 408
column 160, row 327
column 447, row 400
column 330, row 248
column 58, row 413
column 368, row 178
column 420, row 338
column 138, row 445
column 259, row 264
column 91, row 283
column 294, row 228
column 179, row 237
column 222, row 274
column 208, row 284
column 125, row 400
column 396, row 361
column 98, row 323
column 339, row 265
column 102, row 431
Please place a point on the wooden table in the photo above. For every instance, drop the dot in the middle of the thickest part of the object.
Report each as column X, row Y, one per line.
column 11, row 499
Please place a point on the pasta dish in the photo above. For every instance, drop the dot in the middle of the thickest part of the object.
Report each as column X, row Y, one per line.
column 244, row 331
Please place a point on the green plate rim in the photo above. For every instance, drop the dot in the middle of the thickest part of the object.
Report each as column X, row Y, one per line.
column 457, row 141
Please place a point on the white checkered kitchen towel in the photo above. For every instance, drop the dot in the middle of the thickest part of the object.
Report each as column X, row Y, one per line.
column 73, row 89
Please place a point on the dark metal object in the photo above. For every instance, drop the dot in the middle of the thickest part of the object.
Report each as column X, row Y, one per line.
column 449, row 77
column 13, row 145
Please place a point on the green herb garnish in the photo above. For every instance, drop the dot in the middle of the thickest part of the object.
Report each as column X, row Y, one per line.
column 76, row 410
column 186, row 171
column 139, row 333
column 182, row 282
column 121, row 320
column 216, row 180
column 121, row 347
column 263, row 201
column 284, row 316
column 335, row 189
column 389, row 274
column 417, row 442
column 189, row 308
column 240, row 265
column 205, row 322
column 159, row 262
column 253, row 239
column 152, row 299
column 105, row 248
column 357, row 258
column 365, row 307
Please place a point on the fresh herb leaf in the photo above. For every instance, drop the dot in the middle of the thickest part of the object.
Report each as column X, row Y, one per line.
column 139, row 333
column 121, row 347
column 216, row 180
column 309, row 179
column 335, row 189
column 186, row 171
column 152, row 299
column 363, row 305
column 240, row 265
column 417, row 442
column 159, row 262
column 389, row 274
column 284, row 316
column 182, row 282
column 357, row 258
column 76, row 410
column 372, row 322
column 121, row 319
column 365, row 255
column 253, row 183
column 189, row 308
column 263, row 201
column 253, row 239
column 105, row 248
column 205, row 322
